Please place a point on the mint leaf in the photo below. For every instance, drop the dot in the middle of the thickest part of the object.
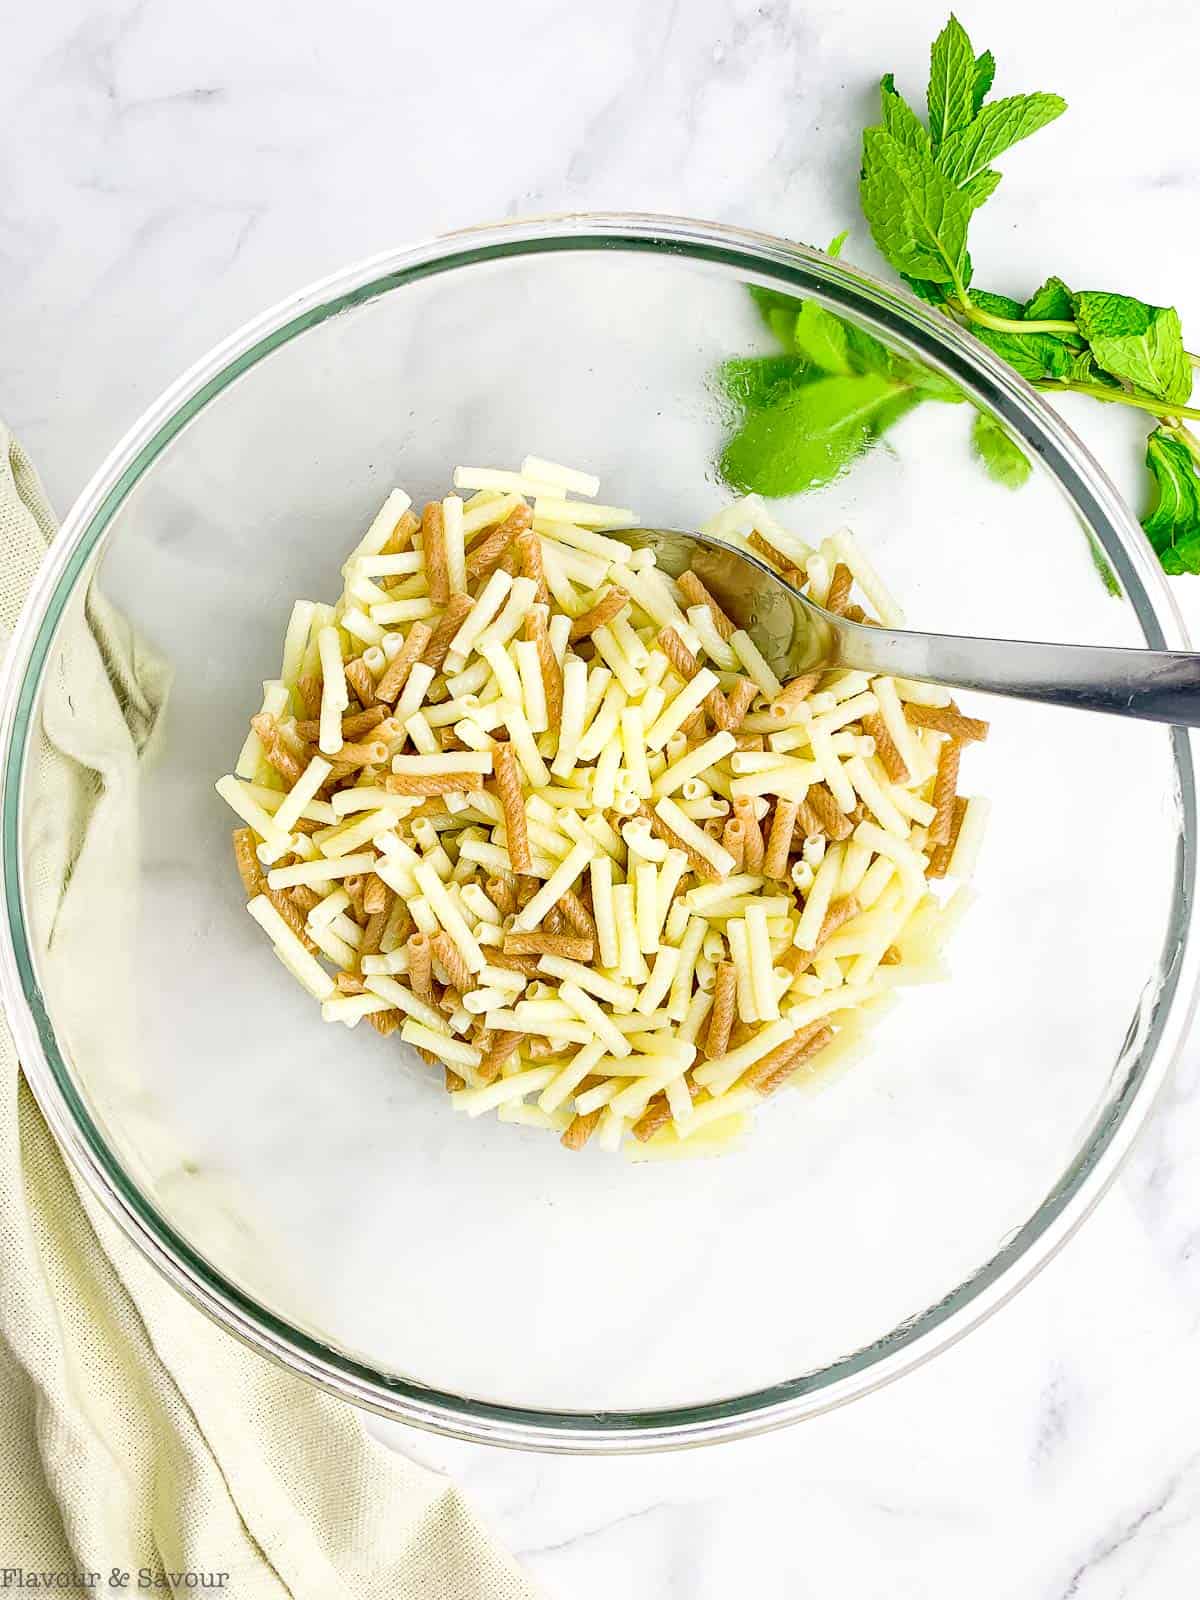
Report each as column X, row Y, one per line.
column 952, row 79
column 821, row 338
column 1036, row 356
column 985, row 73
column 900, row 120
column 926, row 382
column 980, row 188
column 970, row 151
column 1053, row 302
column 811, row 436
column 918, row 220
column 1173, row 525
column 1005, row 461
column 837, row 243
column 751, row 382
column 933, row 294
column 778, row 311
column 1138, row 342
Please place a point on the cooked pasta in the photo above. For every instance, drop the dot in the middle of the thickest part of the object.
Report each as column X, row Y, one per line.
column 551, row 817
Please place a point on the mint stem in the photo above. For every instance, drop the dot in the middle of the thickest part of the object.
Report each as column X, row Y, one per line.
column 1011, row 324
column 1120, row 397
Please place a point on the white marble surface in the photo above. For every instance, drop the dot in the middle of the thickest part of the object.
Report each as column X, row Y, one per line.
column 168, row 170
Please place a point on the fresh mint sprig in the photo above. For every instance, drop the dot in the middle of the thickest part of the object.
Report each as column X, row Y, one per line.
column 1113, row 347
column 804, row 417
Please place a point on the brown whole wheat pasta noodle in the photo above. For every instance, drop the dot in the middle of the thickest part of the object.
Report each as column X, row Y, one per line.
column 697, row 595
column 839, row 589
column 376, row 894
column 739, row 700
column 813, row 1041
column 842, row 911
column 401, row 536
column 433, row 546
column 502, row 895
column 577, row 914
column 451, row 957
column 775, row 862
column 353, row 886
column 395, row 674
column 573, row 946
column 305, row 897
column 786, row 568
column 275, row 748
column 384, row 1022
column 656, row 1115
column 501, row 1050
column 834, row 821
column 796, row 692
column 438, row 647
column 610, row 604
column 508, row 782
column 580, row 1130
column 945, row 785
column 427, row 782
column 945, row 719
column 753, row 846
column 939, row 859
column 420, row 966
column 368, row 754
column 734, row 840
column 552, row 682
column 308, row 696
column 248, row 865
column 361, row 680
column 487, row 555
column 451, row 1079
column 354, row 723
column 528, row 965
column 808, row 825
column 350, row 983
column 373, row 934
column 720, row 1018
column 529, row 555
column 687, row 666
column 293, row 916
column 678, row 654
column 885, row 748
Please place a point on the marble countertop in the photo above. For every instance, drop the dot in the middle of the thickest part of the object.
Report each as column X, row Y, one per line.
column 170, row 170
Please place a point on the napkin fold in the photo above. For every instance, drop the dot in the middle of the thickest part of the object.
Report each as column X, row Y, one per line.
column 136, row 1436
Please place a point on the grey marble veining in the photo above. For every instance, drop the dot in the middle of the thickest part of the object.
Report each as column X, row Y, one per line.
column 165, row 171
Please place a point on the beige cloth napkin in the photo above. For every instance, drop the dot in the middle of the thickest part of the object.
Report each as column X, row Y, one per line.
column 134, row 1433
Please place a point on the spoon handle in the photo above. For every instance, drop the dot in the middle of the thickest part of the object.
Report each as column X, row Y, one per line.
column 1155, row 685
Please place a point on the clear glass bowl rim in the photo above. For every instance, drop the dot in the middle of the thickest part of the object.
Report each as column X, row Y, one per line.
column 775, row 263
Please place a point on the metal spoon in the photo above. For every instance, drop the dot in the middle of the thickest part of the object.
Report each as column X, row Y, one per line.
column 795, row 635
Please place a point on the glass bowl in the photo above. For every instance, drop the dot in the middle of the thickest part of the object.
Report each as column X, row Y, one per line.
column 312, row 1190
